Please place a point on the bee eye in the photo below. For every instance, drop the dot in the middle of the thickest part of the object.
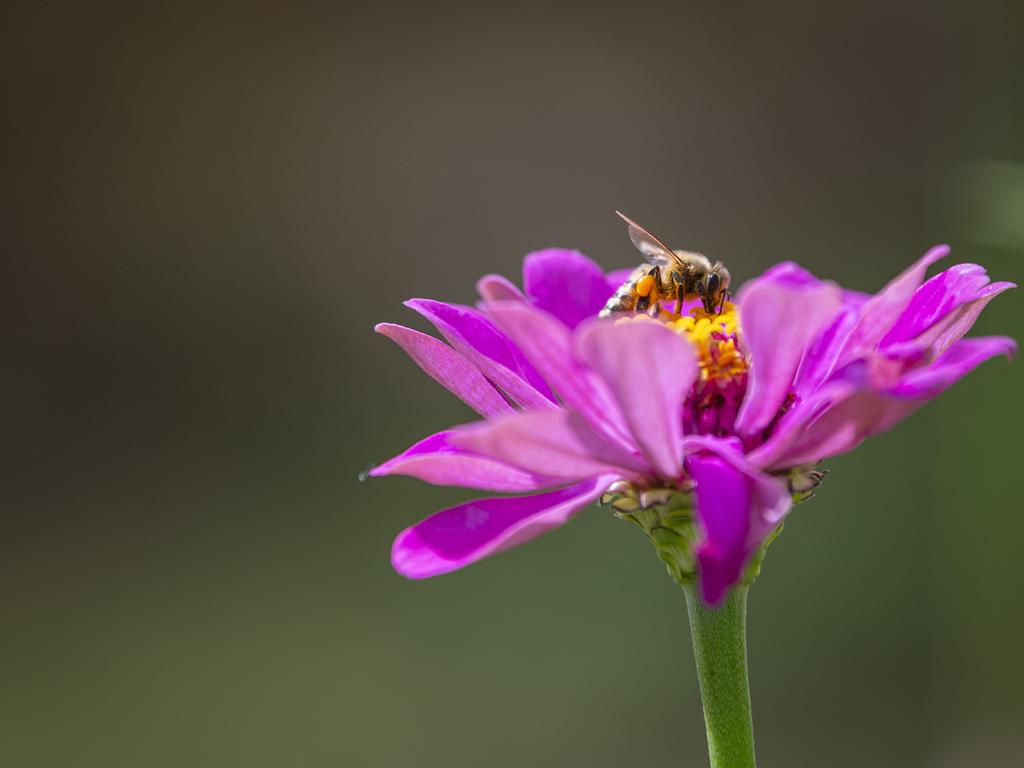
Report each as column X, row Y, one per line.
column 713, row 283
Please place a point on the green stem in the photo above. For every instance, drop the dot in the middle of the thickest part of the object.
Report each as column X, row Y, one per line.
column 720, row 648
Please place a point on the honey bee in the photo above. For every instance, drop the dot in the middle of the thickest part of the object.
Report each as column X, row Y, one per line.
column 668, row 276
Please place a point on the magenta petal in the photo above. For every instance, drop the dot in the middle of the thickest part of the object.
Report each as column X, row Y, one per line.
column 854, row 299
column 788, row 274
column 547, row 343
column 939, row 296
column 449, row 368
column 498, row 288
column 737, row 506
column 490, row 350
column 565, row 283
column 723, row 509
column 770, row 455
column 649, row 370
column 782, row 312
column 771, row 499
column 880, row 313
column 435, row 460
column 456, row 537
column 846, row 425
column 950, row 328
column 849, row 420
column 955, row 363
column 557, row 444
column 822, row 354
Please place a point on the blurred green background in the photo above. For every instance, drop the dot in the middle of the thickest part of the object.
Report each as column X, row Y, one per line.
column 209, row 207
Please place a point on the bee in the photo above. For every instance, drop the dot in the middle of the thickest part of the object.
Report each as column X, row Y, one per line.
column 668, row 276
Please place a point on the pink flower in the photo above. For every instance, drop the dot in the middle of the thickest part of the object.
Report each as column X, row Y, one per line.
column 723, row 407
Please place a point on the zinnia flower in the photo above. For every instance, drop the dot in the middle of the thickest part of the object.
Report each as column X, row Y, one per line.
column 714, row 421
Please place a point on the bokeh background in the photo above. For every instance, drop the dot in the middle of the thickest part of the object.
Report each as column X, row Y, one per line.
column 207, row 209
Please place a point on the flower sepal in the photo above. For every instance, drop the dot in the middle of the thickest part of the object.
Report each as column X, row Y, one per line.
column 803, row 481
column 753, row 569
column 666, row 516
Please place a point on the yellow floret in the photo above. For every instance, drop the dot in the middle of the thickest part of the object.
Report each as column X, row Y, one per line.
column 714, row 337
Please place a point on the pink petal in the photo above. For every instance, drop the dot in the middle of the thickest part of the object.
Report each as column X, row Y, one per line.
column 456, row 537
column 852, row 416
column 547, row 344
column 954, row 326
column 435, row 460
column 854, row 299
column 565, row 283
column 475, row 336
column 498, row 288
column 786, row 273
column 649, row 370
column 935, row 299
column 558, row 444
column 846, row 425
column 448, row 368
column 822, row 354
column 960, row 359
column 770, row 454
column 880, row 313
column 951, row 327
column 782, row 314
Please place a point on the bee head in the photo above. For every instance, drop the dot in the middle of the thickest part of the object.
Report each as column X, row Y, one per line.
column 714, row 289
column 711, row 284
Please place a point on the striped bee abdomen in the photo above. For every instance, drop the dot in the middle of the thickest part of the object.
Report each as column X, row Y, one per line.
column 626, row 298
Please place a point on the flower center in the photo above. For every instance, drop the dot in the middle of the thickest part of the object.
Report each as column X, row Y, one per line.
column 713, row 403
column 715, row 337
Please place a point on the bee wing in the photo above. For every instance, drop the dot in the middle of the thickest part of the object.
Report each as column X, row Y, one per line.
column 650, row 246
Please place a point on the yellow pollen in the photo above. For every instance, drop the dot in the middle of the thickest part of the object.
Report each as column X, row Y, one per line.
column 714, row 336
column 645, row 285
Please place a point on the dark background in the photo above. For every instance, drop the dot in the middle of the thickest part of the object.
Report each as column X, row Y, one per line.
column 206, row 211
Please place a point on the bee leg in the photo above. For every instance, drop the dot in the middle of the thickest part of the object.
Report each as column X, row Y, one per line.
column 657, row 293
column 677, row 283
column 655, row 272
column 725, row 298
column 706, row 300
